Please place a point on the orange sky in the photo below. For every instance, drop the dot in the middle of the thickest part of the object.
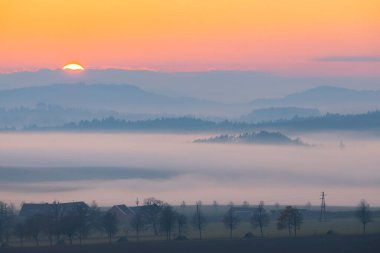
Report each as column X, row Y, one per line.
column 280, row 36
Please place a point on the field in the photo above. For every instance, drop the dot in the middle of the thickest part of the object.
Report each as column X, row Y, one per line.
column 334, row 243
column 341, row 222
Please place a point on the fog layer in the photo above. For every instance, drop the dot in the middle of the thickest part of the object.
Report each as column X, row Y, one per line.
column 119, row 167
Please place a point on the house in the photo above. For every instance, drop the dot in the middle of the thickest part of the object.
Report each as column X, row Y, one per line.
column 123, row 213
column 30, row 209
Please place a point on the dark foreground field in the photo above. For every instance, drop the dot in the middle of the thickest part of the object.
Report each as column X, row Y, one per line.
column 362, row 244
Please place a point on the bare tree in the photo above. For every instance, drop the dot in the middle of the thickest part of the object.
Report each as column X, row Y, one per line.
column 183, row 206
column 110, row 226
column 181, row 222
column 56, row 214
column 167, row 220
column 49, row 227
column 70, row 223
column 199, row 220
column 87, row 219
column 34, row 227
column 290, row 218
column 230, row 221
column 138, row 223
column 216, row 206
column 20, row 231
column 7, row 218
column 260, row 218
column 152, row 209
column 245, row 203
column 364, row 214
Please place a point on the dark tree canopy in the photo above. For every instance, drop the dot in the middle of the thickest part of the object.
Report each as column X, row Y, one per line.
column 167, row 220
column 364, row 214
column 110, row 225
column 260, row 218
column 199, row 220
column 34, row 227
column 152, row 209
column 7, row 218
column 138, row 223
column 290, row 218
column 230, row 221
column 181, row 222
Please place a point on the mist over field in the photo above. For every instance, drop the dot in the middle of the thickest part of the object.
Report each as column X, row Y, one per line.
column 119, row 167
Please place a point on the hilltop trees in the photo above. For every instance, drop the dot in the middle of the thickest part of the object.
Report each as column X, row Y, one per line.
column 260, row 218
column 364, row 214
column 290, row 218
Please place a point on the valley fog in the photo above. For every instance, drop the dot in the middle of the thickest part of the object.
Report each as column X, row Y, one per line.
column 114, row 168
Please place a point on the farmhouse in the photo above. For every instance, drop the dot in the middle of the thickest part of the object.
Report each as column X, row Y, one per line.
column 122, row 213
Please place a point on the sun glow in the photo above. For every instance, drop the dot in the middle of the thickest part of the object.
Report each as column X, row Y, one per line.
column 73, row 66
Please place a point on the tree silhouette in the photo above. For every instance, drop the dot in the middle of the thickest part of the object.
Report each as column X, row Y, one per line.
column 7, row 218
column 199, row 220
column 152, row 209
column 138, row 223
column 87, row 219
column 230, row 221
column 109, row 223
column 181, row 222
column 167, row 220
column 215, row 205
column 34, row 227
column 364, row 214
column 49, row 226
column 20, row 231
column 290, row 218
column 260, row 218
column 70, row 224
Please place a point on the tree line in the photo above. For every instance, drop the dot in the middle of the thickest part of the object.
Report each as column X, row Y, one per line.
column 161, row 218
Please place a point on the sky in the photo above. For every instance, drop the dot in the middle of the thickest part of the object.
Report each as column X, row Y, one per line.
column 287, row 37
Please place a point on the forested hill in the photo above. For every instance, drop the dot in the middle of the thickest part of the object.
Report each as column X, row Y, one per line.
column 369, row 121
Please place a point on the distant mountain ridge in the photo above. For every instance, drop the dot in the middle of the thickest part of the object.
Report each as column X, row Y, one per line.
column 327, row 99
column 119, row 98
column 222, row 86
column 354, row 122
column 278, row 113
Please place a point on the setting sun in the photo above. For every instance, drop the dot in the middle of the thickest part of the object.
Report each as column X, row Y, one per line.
column 73, row 66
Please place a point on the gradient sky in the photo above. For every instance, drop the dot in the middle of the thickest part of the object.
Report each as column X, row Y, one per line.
column 290, row 37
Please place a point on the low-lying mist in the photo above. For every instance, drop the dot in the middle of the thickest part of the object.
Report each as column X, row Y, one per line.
column 114, row 168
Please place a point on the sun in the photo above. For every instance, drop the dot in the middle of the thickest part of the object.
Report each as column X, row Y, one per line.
column 73, row 66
